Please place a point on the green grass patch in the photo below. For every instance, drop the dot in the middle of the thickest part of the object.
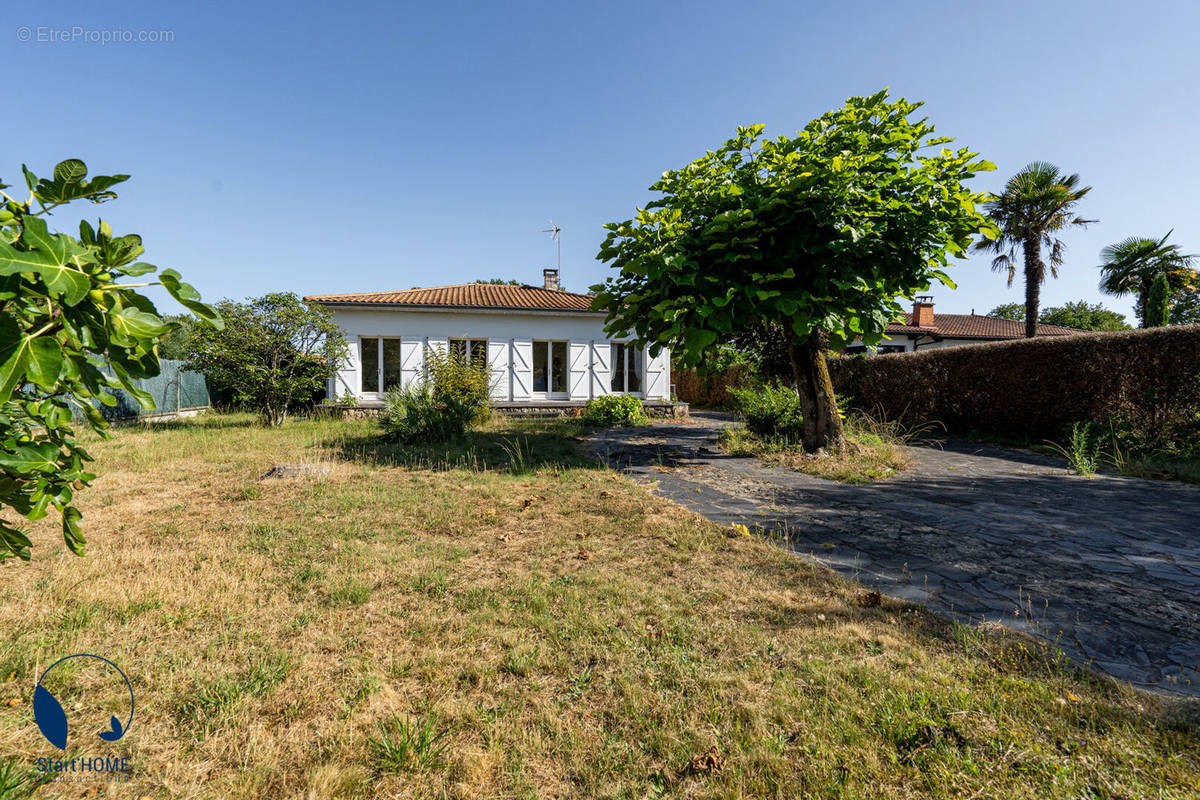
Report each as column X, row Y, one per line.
column 872, row 451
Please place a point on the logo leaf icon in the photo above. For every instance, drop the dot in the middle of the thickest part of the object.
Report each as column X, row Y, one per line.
column 50, row 718
column 115, row 733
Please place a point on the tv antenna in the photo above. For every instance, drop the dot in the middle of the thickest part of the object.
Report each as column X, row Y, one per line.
column 554, row 232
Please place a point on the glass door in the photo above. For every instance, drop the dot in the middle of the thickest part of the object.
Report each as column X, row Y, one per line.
column 379, row 362
column 626, row 369
column 550, row 369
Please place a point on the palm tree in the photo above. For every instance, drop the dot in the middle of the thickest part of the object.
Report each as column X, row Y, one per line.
column 1132, row 264
column 1037, row 202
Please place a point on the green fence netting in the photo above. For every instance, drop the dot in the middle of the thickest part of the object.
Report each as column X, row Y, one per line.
column 173, row 389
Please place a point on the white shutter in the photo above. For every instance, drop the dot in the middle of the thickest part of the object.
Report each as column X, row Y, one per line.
column 577, row 370
column 500, row 369
column 657, row 375
column 522, row 369
column 349, row 371
column 601, row 368
column 439, row 344
column 412, row 360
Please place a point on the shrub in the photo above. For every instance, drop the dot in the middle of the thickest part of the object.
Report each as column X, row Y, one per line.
column 612, row 410
column 455, row 394
column 771, row 411
column 1144, row 382
column 415, row 413
column 452, row 376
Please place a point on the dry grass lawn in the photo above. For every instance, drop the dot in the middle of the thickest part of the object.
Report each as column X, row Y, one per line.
column 873, row 450
column 507, row 620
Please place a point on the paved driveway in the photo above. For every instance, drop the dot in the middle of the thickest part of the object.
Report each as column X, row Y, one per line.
column 1108, row 566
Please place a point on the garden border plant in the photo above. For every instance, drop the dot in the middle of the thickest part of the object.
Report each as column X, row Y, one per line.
column 613, row 410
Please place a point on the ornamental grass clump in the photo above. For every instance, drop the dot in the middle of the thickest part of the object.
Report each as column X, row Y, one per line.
column 454, row 395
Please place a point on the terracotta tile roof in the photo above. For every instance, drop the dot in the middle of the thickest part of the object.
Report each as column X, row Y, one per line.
column 972, row 326
column 468, row 295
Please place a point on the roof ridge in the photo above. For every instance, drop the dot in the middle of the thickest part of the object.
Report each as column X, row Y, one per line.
column 454, row 286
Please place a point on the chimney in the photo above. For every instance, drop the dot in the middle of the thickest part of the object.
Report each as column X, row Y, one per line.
column 922, row 315
column 550, row 279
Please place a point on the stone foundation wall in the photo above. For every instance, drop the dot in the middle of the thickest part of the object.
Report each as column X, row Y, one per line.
column 655, row 410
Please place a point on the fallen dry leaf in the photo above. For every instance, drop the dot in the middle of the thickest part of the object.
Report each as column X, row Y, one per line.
column 869, row 599
column 712, row 761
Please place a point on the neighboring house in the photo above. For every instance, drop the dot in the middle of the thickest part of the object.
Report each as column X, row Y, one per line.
column 922, row 329
column 542, row 344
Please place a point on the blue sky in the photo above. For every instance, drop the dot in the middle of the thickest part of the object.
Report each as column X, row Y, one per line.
column 323, row 147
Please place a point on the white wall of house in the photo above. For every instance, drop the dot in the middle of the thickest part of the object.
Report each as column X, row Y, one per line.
column 924, row 343
column 585, row 353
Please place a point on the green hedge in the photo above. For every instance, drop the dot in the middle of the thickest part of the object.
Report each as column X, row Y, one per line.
column 1034, row 388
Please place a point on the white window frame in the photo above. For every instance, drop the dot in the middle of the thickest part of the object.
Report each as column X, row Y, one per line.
column 627, row 347
column 550, row 394
column 467, row 346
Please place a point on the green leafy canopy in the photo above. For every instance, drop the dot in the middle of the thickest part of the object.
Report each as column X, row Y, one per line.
column 822, row 231
column 273, row 352
column 66, row 311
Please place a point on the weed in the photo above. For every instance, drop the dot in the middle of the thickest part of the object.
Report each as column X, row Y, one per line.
column 408, row 744
column 1082, row 450
column 350, row 593
column 519, row 455
column 17, row 782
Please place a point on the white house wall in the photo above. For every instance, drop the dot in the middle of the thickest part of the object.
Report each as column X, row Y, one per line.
column 510, row 337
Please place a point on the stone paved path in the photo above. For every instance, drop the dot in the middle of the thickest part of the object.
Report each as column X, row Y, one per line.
column 1109, row 567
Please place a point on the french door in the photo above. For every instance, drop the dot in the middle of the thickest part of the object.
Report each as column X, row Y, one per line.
column 379, row 361
column 626, row 361
column 549, row 369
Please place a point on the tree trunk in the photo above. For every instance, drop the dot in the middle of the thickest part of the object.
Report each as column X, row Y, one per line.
column 1033, row 283
column 822, row 425
column 1139, row 307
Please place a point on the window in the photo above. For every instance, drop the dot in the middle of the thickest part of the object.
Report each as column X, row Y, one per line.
column 470, row 350
column 626, row 368
column 550, row 367
column 369, row 358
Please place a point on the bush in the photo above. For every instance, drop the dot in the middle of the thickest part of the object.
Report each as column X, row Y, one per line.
column 771, row 411
column 612, row 410
column 455, row 394
column 1145, row 383
column 415, row 413
column 452, row 376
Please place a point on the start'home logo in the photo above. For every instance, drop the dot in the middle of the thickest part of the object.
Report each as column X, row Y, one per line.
column 51, row 718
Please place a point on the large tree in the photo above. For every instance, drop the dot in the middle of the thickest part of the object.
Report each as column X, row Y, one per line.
column 274, row 351
column 820, row 233
column 72, row 327
column 1131, row 265
column 1185, row 307
column 1078, row 314
column 1037, row 202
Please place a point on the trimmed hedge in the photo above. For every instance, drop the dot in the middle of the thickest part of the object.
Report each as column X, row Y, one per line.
column 712, row 390
column 1033, row 388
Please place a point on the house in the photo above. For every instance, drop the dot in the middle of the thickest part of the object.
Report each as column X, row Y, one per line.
column 544, row 346
column 922, row 329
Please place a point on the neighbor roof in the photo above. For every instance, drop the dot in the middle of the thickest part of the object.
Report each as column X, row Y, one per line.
column 467, row 295
column 972, row 326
